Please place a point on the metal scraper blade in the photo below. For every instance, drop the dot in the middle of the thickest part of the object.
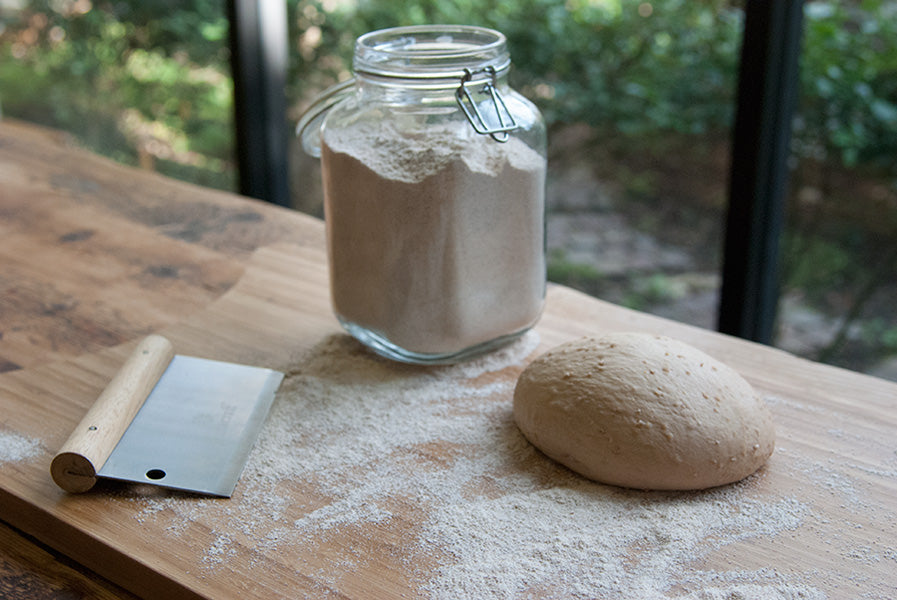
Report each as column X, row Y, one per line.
column 196, row 428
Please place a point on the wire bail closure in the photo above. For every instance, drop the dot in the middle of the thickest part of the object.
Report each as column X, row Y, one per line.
column 467, row 103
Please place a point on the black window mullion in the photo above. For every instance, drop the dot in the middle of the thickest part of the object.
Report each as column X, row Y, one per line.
column 767, row 86
column 258, row 45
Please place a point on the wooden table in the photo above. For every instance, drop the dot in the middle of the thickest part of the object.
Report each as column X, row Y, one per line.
column 94, row 256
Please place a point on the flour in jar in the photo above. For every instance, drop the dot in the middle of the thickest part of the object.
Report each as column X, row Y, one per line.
column 435, row 239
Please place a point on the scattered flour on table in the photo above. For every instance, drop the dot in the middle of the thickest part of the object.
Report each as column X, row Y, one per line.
column 501, row 520
column 221, row 549
column 15, row 447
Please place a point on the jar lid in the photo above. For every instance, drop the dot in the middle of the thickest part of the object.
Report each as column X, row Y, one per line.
column 434, row 55
column 430, row 52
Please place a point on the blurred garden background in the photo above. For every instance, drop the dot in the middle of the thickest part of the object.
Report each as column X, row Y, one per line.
column 639, row 98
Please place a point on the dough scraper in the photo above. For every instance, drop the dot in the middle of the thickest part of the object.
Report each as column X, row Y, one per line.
column 178, row 422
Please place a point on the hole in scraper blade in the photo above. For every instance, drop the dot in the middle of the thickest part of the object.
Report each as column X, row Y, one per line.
column 155, row 474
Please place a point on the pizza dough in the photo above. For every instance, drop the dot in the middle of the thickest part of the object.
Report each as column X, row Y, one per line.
column 643, row 411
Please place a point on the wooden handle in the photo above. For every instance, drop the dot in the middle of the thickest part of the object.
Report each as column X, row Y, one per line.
column 75, row 467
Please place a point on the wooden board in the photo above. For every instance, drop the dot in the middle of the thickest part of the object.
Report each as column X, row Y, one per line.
column 94, row 255
column 834, row 469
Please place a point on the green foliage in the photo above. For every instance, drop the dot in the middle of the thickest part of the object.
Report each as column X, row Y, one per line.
column 629, row 68
column 321, row 45
column 577, row 274
column 652, row 289
column 817, row 265
column 878, row 333
column 631, row 72
column 623, row 66
column 848, row 104
column 137, row 81
column 840, row 244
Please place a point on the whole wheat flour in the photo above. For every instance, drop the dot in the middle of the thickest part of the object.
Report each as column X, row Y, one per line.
column 429, row 462
column 15, row 447
column 435, row 240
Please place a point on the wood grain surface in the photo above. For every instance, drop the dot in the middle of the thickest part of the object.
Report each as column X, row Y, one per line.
column 30, row 570
column 91, row 256
column 95, row 256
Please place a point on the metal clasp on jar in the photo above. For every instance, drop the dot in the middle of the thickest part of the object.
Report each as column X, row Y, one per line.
column 506, row 122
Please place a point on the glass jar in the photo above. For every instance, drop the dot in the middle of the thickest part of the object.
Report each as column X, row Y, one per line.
column 434, row 186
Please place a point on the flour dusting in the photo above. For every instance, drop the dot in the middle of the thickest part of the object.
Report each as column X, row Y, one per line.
column 15, row 447
column 427, row 465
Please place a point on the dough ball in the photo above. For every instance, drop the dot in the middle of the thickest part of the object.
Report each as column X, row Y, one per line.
column 643, row 411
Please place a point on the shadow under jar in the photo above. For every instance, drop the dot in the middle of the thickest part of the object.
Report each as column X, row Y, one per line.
column 434, row 190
